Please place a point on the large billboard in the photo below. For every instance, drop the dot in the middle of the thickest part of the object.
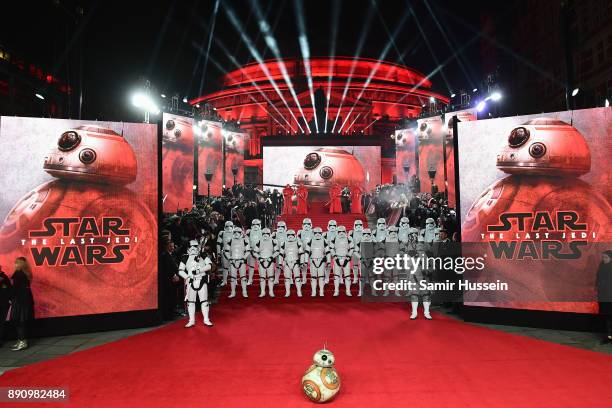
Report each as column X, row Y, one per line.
column 320, row 167
column 210, row 158
column 535, row 198
column 234, row 157
column 177, row 162
column 430, row 152
column 79, row 200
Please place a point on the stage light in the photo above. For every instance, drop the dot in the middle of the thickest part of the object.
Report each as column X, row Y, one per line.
column 432, row 99
column 185, row 100
column 452, row 95
column 39, row 96
column 144, row 102
column 238, row 122
column 607, row 103
column 197, row 130
column 496, row 96
column 481, row 105
column 197, row 105
column 575, row 91
column 163, row 95
column 475, row 89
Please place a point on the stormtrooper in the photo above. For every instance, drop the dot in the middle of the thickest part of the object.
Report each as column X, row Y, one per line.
column 407, row 235
column 222, row 240
column 392, row 248
column 420, row 274
column 236, row 251
column 380, row 234
column 266, row 251
column 341, row 250
column 367, row 254
column 328, row 236
column 430, row 233
column 356, row 234
column 304, row 236
column 280, row 236
column 254, row 235
column 193, row 269
column 316, row 255
column 291, row 255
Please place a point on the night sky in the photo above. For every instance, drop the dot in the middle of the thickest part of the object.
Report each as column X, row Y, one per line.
column 122, row 41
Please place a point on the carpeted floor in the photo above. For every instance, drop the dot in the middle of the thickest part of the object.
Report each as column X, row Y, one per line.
column 258, row 350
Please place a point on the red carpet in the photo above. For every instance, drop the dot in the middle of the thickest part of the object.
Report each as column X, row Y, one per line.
column 257, row 351
column 319, row 214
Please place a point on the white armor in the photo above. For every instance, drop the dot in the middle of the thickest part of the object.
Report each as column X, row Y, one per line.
column 381, row 230
column 236, row 251
column 280, row 236
column 266, row 251
column 356, row 235
column 367, row 253
column 416, row 294
column 304, row 236
column 194, row 270
column 291, row 254
column 329, row 235
column 316, row 253
column 430, row 233
column 341, row 249
column 254, row 235
column 224, row 237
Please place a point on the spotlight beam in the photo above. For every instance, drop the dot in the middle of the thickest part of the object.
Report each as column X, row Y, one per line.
column 360, row 44
column 273, row 46
column 210, row 37
column 449, row 43
column 433, row 72
column 381, row 57
column 305, row 50
column 224, row 48
column 241, row 30
column 353, row 122
column 332, row 54
column 428, row 44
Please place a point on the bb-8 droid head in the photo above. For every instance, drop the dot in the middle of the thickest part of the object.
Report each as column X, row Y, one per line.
column 326, row 167
column 324, row 358
column 546, row 147
column 94, row 154
column 176, row 132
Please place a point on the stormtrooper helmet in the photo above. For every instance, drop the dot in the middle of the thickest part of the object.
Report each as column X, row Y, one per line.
column 256, row 224
column 318, row 233
column 229, row 226
column 237, row 232
column 393, row 232
column 404, row 223
column 306, row 224
column 194, row 247
column 358, row 225
column 281, row 226
column 367, row 235
column 381, row 224
column 291, row 235
column 430, row 223
column 341, row 231
column 331, row 225
column 266, row 234
column 324, row 358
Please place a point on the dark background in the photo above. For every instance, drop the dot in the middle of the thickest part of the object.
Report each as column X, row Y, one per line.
column 122, row 41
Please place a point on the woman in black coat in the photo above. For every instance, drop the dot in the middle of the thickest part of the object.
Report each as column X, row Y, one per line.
column 5, row 300
column 22, row 309
column 604, row 292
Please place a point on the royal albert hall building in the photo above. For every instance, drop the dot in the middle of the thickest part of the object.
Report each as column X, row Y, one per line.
column 367, row 96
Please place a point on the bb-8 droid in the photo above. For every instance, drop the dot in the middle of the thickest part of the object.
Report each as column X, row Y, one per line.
column 321, row 382
column 324, row 167
column 92, row 165
column 544, row 158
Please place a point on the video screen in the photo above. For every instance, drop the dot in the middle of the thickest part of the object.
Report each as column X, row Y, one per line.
column 79, row 201
column 535, row 196
column 318, row 168
column 177, row 162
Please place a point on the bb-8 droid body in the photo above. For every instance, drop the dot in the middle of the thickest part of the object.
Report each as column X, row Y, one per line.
column 92, row 165
column 321, row 381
